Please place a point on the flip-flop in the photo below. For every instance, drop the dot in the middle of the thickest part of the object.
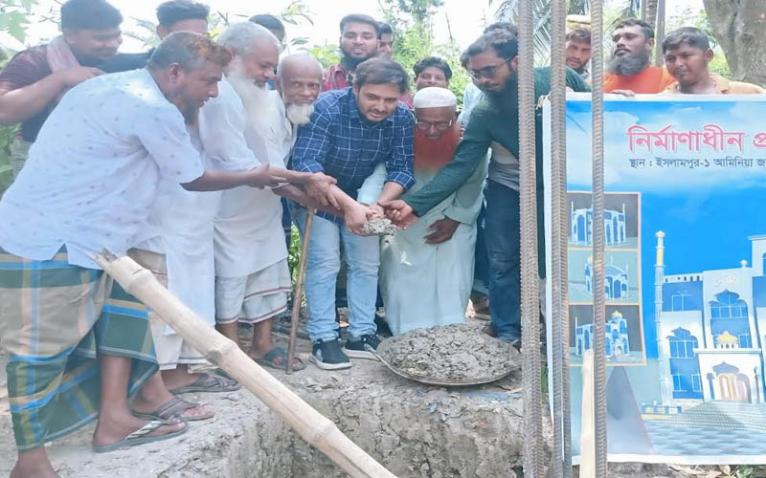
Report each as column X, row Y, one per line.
column 173, row 409
column 270, row 360
column 139, row 437
column 209, row 383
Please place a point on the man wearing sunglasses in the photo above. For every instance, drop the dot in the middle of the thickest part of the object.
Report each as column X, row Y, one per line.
column 493, row 64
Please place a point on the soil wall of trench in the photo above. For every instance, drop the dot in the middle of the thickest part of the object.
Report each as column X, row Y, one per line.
column 413, row 430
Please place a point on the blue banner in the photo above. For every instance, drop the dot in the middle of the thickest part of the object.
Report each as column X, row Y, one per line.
column 685, row 285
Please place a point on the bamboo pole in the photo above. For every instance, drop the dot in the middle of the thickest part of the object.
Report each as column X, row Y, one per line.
column 316, row 429
column 298, row 295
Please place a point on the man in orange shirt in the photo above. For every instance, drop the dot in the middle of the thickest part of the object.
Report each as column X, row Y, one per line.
column 629, row 69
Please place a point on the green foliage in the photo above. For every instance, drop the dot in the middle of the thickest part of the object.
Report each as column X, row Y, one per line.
column 294, row 253
column 417, row 10
column 14, row 17
column 326, row 54
column 413, row 40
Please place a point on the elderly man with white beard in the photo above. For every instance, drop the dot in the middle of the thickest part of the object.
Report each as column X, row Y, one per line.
column 252, row 275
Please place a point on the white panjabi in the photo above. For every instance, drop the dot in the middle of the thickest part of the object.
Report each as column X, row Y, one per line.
column 434, row 97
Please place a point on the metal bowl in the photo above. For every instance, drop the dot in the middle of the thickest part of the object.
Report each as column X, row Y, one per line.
column 383, row 347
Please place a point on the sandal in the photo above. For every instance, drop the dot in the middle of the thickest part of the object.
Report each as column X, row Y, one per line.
column 277, row 358
column 141, row 436
column 174, row 409
column 209, row 383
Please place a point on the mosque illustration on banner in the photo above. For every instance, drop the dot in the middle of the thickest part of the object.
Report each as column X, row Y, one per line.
column 617, row 342
column 712, row 330
column 581, row 224
column 616, row 280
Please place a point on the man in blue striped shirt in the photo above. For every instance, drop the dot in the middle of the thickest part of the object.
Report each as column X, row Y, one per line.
column 352, row 131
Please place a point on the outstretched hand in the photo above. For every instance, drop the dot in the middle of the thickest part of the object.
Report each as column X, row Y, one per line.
column 319, row 187
column 400, row 213
column 261, row 177
column 356, row 217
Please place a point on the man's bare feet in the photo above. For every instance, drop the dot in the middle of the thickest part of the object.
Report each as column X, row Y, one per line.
column 111, row 429
column 33, row 464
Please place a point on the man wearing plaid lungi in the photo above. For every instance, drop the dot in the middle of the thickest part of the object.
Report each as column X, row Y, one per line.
column 78, row 344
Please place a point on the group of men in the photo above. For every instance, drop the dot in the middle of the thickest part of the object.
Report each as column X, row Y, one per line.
column 184, row 157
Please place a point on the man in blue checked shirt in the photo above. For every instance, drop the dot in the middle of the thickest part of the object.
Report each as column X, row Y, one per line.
column 352, row 131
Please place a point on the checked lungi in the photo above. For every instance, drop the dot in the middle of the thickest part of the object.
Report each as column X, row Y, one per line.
column 55, row 319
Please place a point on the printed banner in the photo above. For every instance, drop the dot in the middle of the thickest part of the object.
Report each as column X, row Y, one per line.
column 685, row 285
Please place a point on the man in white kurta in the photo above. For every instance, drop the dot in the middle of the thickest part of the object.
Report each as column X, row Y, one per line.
column 427, row 269
column 252, row 275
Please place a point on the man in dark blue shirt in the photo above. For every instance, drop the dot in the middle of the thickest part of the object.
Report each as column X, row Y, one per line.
column 352, row 131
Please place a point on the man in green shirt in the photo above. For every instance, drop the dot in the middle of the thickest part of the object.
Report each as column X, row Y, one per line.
column 493, row 64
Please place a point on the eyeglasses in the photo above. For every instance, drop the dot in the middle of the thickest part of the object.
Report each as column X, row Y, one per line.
column 487, row 72
column 439, row 125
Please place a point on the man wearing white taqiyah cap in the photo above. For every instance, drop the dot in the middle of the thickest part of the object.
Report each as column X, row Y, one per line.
column 427, row 269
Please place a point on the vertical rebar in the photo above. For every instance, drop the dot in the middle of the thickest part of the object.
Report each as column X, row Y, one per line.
column 561, row 465
column 599, row 296
column 530, row 299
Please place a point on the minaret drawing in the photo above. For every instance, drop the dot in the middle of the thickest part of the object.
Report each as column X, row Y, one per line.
column 666, row 390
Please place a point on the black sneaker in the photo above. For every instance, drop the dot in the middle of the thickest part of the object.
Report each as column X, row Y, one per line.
column 327, row 355
column 363, row 348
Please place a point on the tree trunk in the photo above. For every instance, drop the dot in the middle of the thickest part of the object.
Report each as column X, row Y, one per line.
column 740, row 28
column 650, row 12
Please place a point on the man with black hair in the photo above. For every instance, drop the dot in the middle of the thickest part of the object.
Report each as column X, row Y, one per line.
column 629, row 70
column 687, row 56
column 352, row 131
column 172, row 16
column 386, row 41
column 78, row 344
column 577, row 51
column 272, row 24
column 493, row 63
column 359, row 40
column 33, row 82
column 432, row 71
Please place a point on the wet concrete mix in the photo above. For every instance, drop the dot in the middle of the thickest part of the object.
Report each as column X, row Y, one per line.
column 458, row 353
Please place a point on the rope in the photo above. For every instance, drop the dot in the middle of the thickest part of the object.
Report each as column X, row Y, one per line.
column 599, row 297
column 561, row 465
column 530, row 311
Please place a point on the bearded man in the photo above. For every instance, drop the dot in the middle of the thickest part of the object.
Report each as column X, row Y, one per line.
column 359, row 41
column 629, row 70
column 493, row 63
column 252, row 276
column 427, row 269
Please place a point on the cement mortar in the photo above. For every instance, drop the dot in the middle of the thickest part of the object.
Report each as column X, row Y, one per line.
column 457, row 353
column 379, row 227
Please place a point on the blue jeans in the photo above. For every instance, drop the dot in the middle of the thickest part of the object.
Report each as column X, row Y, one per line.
column 481, row 262
column 362, row 254
column 503, row 241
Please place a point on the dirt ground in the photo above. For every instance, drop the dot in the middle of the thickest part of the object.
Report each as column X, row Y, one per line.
column 414, row 430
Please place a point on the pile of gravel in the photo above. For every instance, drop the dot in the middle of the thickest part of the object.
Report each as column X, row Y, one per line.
column 379, row 227
column 451, row 354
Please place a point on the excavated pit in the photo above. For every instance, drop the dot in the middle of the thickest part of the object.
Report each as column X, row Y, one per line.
column 414, row 430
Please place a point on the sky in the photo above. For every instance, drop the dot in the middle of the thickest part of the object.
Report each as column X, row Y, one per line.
column 465, row 19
